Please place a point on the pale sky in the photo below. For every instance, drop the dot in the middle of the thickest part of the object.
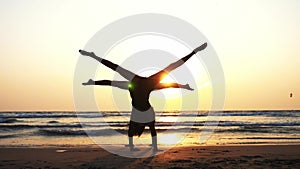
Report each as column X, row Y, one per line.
column 257, row 42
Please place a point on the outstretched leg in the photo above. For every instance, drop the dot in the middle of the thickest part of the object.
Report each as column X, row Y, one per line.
column 123, row 72
column 161, row 74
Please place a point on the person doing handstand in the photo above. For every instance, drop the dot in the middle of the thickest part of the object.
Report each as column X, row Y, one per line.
column 140, row 88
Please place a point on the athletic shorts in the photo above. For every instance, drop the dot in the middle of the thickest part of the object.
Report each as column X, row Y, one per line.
column 142, row 116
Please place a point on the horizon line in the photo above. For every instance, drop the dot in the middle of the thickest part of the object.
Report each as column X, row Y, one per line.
column 229, row 110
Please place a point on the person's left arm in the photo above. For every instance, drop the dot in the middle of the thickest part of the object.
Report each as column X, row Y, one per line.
column 172, row 85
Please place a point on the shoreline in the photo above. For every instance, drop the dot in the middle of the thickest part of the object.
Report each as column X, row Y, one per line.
column 54, row 146
column 220, row 156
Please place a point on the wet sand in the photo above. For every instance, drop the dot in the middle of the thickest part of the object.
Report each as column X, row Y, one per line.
column 267, row 156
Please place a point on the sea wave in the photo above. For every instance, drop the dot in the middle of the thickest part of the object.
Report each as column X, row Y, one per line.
column 60, row 132
column 9, row 120
column 114, row 131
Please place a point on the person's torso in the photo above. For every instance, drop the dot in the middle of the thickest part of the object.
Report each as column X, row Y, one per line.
column 140, row 89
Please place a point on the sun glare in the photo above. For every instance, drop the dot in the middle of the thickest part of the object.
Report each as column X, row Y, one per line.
column 166, row 78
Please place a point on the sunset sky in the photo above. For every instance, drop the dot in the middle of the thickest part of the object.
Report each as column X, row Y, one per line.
column 257, row 42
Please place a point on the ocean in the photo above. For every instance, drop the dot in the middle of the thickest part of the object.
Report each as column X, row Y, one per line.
column 36, row 129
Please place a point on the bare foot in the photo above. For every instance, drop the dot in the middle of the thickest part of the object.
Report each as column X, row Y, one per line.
column 203, row 46
column 187, row 86
column 90, row 82
column 156, row 150
column 83, row 52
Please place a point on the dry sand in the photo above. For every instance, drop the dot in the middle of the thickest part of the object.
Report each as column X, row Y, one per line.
column 277, row 156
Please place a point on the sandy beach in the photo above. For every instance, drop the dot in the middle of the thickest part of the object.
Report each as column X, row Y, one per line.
column 268, row 156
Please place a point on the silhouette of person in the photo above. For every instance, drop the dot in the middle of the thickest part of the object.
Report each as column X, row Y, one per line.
column 140, row 88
